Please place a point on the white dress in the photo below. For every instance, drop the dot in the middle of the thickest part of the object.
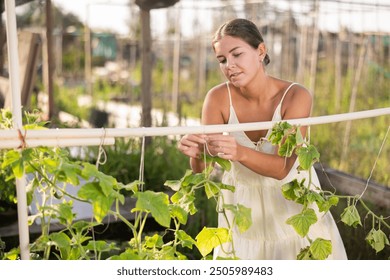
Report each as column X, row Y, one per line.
column 269, row 236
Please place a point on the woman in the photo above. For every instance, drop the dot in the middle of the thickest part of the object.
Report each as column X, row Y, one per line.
column 251, row 95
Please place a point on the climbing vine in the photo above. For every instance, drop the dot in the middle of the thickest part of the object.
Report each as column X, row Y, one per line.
column 289, row 139
column 52, row 175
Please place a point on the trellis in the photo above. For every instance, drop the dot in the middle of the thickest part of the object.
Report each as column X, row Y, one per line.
column 17, row 137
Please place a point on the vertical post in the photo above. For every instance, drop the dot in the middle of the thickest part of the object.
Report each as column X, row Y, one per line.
column 314, row 48
column 50, row 60
column 13, row 61
column 176, row 63
column 338, row 72
column 2, row 39
column 146, row 96
column 302, row 55
column 338, row 64
column 87, row 49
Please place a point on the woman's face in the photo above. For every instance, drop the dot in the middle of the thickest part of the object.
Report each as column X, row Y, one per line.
column 238, row 60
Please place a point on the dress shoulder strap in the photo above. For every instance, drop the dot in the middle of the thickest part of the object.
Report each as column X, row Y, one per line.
column 230, row 95
column 284, row 94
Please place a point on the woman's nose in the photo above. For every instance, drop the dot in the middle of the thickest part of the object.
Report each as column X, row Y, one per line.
column 229, row 63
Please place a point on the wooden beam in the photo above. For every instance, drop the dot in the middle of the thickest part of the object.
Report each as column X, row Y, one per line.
column 348, row 184
column 29, row 48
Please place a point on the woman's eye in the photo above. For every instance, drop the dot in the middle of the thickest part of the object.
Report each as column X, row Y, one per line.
column 237, row 54
column 222, row 61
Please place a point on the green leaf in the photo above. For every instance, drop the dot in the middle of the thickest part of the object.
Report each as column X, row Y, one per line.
column 173, row 184
column 62, row 242
column 65, row 214
column 71, row 172
column 185, row 201
column 286, row 149
column 242, row 216
column 18, row 168
column 101, row 246
column 305, row 254
column 82, row 225
column 179, row 213
column 377, row 239
column 209, row 238
column 28, row 154
column 132, row 186
column 325, row 205
column 12, row 255
column 302, row 221
column 321, row 248
column 307, row 156
column 226, row 187
column 51, row 165
column 350, row 216
column 129, row 254
column 193, row 179
column 154, row 241
column 177, row 197
column 279, row 130
column 105, row 181
column 60, row 239
column 34, row 126
column 224, row 163
column 313, row 196
column 101, row 203
column 14, row 159
column 293, row 190
column 211, row 189
column 156, row 204
column 185, row 239
column 177, row 184
column 166, row 253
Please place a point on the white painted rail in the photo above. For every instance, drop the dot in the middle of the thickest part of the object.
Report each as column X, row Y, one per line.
column 71, row 136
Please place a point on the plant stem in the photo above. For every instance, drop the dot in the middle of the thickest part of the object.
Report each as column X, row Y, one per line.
column 380, row 219
column 54, row 185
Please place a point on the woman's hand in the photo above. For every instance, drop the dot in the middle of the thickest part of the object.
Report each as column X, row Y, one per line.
column 192, row 145
column 225, row 146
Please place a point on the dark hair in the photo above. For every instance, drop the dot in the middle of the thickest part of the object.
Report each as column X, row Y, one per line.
column 243, row 29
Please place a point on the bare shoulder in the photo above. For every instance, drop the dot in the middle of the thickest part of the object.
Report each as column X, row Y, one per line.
column 216, row 105
column 217, row 93
column 297, row 102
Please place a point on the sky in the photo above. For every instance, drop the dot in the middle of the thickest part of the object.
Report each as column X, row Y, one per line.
column 115, row 14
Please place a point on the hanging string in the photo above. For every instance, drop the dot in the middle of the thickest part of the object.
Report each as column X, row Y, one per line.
column 142, row 166
column 376, row 160
column 99, row 161
column 141, row 171
column 206, row 147
column 101, row 152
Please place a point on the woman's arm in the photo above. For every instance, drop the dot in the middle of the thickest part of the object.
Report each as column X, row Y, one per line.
column 193, row 145
column 297, row 104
